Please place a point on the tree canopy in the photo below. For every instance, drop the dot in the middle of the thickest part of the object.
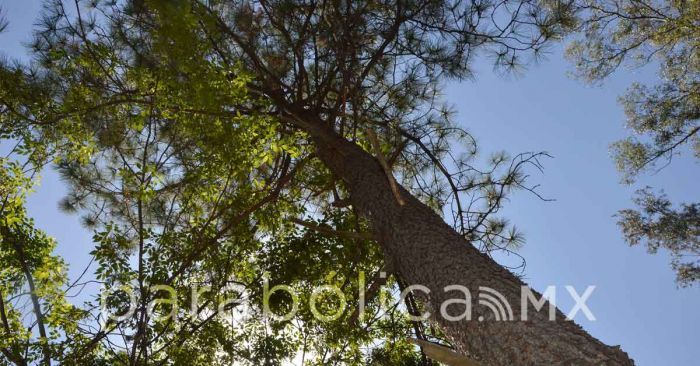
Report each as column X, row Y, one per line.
column 236, row 147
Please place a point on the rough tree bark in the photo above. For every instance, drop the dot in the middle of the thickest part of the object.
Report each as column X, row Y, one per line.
column 422, row 249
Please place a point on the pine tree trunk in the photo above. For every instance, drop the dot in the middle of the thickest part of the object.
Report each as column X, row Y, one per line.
column 422, row 249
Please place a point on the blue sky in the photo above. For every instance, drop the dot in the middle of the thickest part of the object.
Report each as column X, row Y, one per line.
column 570, row 241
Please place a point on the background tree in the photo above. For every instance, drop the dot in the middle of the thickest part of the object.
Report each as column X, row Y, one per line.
column 663, row 117
column 37, row 322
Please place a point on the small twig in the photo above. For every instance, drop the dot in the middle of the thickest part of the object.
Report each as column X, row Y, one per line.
column 378, row 280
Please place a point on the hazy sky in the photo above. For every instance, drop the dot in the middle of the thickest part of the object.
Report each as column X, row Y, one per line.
column 571, row 241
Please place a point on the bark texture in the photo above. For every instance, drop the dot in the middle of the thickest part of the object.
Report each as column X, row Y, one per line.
column 422, row 249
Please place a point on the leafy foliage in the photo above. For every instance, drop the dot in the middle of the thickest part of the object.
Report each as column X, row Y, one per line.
column 37, row 321
column 661, row 226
